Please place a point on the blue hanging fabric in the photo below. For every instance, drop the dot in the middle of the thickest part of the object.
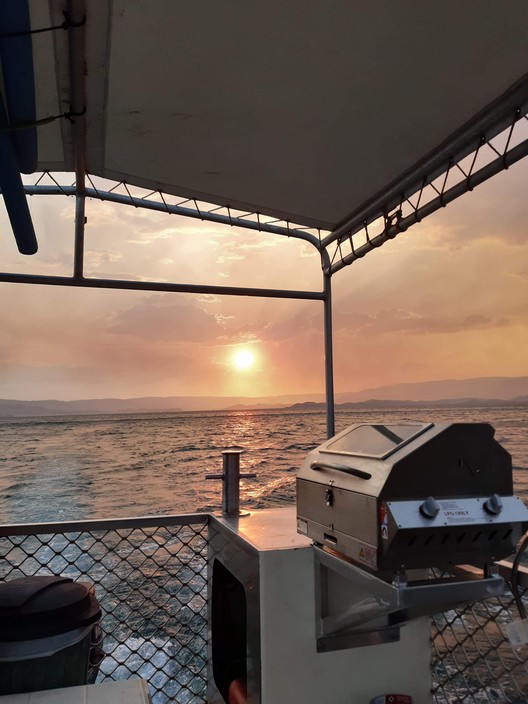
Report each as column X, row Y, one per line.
column 16, row 55
column 18, row 148
column 13, row 191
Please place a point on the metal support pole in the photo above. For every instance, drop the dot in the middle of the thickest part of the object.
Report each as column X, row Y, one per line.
column 164, row 207
column 80, row 220
column 121, row 284
column 329, row 356
column 230, row 481
column 76, row 14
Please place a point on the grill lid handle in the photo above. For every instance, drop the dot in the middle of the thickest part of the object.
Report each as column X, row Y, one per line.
column 342, row 468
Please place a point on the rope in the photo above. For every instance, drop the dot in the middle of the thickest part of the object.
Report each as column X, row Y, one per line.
column 67, row 24
column 70, row 116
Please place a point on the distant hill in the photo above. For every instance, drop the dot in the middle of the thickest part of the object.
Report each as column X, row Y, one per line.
column 389, row 403
column 485, row 390
column 154, row 404
column 258, row 406
column 497, row 387
column 90, row 406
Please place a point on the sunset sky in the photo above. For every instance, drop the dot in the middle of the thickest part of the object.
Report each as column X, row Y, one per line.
column 446, row 300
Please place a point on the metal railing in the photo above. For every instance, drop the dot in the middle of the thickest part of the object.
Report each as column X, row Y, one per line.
column 150, row 577
column 473, row 661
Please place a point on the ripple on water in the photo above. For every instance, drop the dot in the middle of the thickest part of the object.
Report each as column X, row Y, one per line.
column 101, row 466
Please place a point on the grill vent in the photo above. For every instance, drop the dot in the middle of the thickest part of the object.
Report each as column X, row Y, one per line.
column 436, row 539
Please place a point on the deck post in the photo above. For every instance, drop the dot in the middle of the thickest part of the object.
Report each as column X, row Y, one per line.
column 231, row 482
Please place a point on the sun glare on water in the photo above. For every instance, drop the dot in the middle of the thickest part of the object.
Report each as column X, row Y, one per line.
column 243, row 359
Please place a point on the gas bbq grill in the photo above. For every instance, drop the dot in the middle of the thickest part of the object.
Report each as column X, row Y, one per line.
column 381, row 499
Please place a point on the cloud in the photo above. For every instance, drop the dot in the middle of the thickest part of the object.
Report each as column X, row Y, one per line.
column 295, row 326
column 98, row 257
column 269, row 241
column 119, row 276
column 105, row 214
column 523, row 274
column 148, row 236
column 496, row 210
column 243, row 333
column 448, row 298
column 46, row 352
column 403, row 321
column 207, row 298
column 239, row 249
column 166, row 318
column 224, row 258
column 383, row 322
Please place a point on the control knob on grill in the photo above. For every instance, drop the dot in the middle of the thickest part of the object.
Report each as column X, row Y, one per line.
column 493, row 505
column 430, row 508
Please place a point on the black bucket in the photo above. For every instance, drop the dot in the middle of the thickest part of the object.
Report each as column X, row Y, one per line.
column 46, row 633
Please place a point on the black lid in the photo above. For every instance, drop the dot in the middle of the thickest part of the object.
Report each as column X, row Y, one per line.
column 37, row 607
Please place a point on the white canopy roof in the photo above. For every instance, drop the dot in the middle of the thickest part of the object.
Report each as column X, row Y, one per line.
column 299, row 109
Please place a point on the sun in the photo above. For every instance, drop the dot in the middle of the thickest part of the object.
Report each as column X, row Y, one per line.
column 243, row 359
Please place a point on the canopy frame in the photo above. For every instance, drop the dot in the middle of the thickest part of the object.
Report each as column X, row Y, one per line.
column 422, row 190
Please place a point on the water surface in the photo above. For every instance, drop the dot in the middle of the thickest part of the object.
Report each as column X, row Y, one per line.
column 75, row 467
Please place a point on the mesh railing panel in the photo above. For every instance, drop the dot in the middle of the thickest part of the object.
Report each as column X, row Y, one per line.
column 151, row 582
column 472, row 659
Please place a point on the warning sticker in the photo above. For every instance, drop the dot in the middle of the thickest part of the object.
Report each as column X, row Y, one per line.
column 455, row 512
column 367, row 555
column 450, row 517
column 384, row 520
column 302, row 526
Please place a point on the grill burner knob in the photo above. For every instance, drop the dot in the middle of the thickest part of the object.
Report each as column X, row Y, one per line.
column 430, row 508
column 493, row 505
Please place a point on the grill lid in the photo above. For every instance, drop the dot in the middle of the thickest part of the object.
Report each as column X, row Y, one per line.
column 411, row 495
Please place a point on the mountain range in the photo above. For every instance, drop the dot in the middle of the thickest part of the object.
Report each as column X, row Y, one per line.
column 488, row 390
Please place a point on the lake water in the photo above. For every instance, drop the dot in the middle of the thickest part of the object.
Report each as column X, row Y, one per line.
column 74, row 467
column 64, row 468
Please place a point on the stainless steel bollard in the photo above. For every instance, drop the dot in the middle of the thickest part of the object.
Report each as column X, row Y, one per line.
column 231, row 481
